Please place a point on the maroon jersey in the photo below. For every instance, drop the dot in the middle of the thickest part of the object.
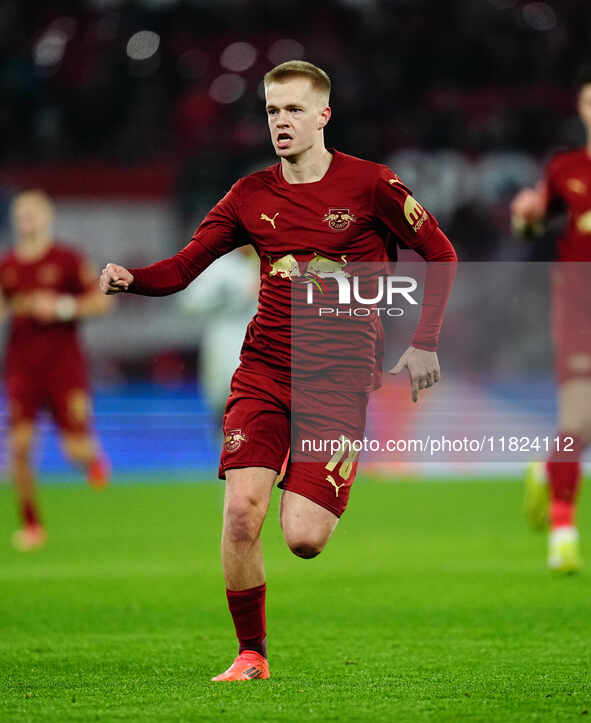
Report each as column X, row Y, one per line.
column 568, row 180
column 357, row 213
column 34, row 347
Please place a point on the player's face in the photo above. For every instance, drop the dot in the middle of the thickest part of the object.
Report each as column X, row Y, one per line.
column 297, row 113
column 31, row 216
column 585, row 105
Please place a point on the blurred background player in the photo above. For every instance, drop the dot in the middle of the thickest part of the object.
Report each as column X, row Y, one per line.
column 226, row 299
column 566, row 185
column 46, row 288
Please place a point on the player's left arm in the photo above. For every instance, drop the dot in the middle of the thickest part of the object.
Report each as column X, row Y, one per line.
column 417, row 229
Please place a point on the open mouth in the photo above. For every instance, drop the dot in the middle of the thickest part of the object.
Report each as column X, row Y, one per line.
column 283, row 140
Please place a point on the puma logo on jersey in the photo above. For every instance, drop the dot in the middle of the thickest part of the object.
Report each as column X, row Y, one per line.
column 264, row 217
column 330, row 478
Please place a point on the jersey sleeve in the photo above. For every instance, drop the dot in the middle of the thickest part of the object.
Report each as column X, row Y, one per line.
column 397, row 209
column 220, row 232
column 415, row 228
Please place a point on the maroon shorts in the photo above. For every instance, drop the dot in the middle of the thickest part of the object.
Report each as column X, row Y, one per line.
column 265, row 421
column 62, row 391
column 571, row 320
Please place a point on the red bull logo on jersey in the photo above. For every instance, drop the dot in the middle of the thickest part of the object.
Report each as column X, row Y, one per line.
column 320, row 269
column 287, row 267
column 321, row 265
column 233, row 440
column 339, row 219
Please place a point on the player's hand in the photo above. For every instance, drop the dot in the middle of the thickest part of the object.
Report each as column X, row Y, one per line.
column 115, row 279
column 423, row 369
column 528, row 208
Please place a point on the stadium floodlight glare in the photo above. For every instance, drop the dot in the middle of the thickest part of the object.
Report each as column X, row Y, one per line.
column 227, row 88
column 143, row 45
column 50, row 48
column 539, row 16
column 238, row 57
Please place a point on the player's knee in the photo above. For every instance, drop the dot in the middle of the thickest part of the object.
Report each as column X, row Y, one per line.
column 305, row 546
column 305, row 550
column 80, row 447
column 243, row 519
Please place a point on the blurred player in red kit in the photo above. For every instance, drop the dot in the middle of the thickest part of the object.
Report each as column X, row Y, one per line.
column 313, row 213
column 566, row 185
column 46, row 288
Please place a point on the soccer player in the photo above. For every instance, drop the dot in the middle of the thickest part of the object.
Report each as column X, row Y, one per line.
column 45, row 288
column 566, row 185
column 316, row 210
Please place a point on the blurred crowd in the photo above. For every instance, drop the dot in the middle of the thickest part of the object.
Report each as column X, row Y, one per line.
column 131, row 80
column 179, row 82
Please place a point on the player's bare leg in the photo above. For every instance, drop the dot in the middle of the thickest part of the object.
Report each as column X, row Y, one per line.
column 306, row 525
column 246, row 502
column 72, row 413
column 31, row 534
column 83, row 450
column 564, row 474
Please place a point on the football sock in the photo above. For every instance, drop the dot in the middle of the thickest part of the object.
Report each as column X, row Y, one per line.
column 29, row 514
column 247, row 608
column 564, row 477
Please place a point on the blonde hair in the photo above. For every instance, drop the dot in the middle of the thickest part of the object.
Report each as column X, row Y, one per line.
column 293, row 68
column 37, row 194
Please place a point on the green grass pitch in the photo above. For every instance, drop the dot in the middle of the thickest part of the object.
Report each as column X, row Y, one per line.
column 431, row 603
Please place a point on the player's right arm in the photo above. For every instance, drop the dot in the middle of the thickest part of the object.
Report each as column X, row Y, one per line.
column 529, row 208
column 219, row 233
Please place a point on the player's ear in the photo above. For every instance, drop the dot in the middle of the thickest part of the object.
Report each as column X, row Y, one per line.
column 324, row 117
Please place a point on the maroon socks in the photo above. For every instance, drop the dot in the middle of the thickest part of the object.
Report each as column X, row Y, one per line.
column 564, row 477
column 247, row 608
column 29, row 514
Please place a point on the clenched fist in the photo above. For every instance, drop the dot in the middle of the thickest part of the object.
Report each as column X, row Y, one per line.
column 115, row 279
